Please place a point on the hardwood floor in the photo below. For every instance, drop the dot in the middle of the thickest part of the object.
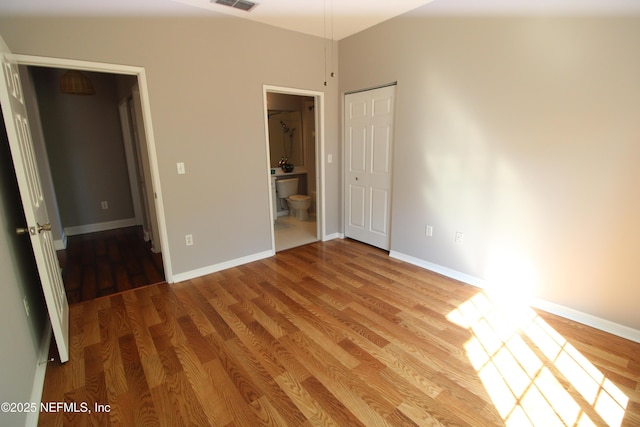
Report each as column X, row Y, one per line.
column 336, row 333
column 108, row 262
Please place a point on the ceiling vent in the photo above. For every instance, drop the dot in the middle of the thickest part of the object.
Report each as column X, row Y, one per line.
column 237, row 4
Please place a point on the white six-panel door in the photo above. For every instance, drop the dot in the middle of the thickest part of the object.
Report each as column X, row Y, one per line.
column 368, row 159
column 37, row 229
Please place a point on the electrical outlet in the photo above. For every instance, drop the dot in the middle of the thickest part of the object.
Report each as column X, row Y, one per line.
column 104, row 204
column 428, row 230
column 188, row 239
column 459, row 238
column 26, row 306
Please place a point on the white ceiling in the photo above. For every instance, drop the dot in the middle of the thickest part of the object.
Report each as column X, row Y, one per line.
column 334, row 19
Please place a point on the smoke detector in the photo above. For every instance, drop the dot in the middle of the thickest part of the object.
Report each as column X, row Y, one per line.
column 245, row 5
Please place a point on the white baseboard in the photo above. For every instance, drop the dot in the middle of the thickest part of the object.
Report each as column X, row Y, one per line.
column 587, row 319
column 181, row 277
column 550, row 307
column 61, row 244
column 100, row 226
column 333, row 236
column 445, row 271
column 38, row 379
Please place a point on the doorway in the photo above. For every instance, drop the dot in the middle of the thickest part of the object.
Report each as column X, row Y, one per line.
column 89, row 159
column 294, row 147
column 140, row 123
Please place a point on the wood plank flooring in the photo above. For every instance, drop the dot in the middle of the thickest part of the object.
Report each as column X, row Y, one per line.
column 108, row 262
column 336, row 334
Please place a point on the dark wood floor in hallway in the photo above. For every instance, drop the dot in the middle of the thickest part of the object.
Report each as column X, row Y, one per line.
column 336, row 334
column 107, row 262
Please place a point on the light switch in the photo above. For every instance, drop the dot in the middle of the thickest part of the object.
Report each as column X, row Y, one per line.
column 329, row 158
column 181, row 170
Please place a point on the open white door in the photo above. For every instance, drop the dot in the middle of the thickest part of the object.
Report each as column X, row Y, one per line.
column 38, row 228
column 368, row 123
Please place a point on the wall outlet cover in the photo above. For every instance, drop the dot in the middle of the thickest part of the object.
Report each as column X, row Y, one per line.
column 459, row 238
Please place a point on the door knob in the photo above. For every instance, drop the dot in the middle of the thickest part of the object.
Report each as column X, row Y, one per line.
column 33, row 230
column 25, row 231
column 44, row 227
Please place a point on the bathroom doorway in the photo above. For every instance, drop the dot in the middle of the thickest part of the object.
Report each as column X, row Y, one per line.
column 293, row 123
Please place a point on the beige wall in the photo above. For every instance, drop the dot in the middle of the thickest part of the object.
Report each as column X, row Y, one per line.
column 523, row 134
column 205, row 78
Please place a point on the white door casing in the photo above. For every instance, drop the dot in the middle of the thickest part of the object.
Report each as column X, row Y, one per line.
column 37, row 227
column 132, row 158
column 145, row 169
column 368, row 161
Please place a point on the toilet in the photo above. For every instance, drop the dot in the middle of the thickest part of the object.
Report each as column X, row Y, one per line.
column 298, row 204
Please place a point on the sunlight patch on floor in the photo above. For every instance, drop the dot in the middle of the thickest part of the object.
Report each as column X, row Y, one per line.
column 532, row 374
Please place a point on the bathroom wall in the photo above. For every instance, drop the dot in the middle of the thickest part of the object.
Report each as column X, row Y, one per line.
column 286, row 142
column 284, row 104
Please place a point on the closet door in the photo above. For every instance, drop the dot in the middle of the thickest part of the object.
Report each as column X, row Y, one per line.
column 368, row 159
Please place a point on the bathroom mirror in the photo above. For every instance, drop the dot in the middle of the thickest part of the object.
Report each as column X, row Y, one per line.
column 285, row 137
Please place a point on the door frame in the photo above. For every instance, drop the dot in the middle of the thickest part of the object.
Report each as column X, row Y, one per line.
column 130, row 152
column 319, row 147
column 139, row 72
